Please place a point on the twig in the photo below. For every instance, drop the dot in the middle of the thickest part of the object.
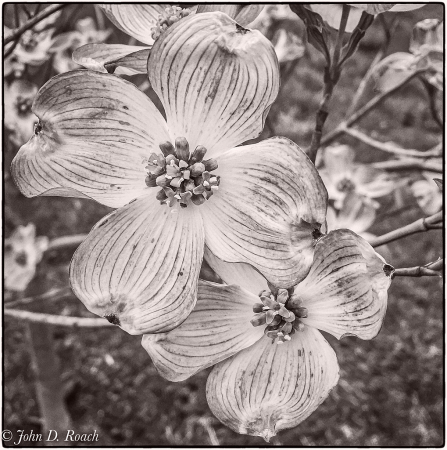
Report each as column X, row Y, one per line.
column 50, row 295
column 340, row 129
column 16, row 16
column 52, row 319
column 390, row 148
column 49, row 386
column 11, row 49
column 396, row 165
column 430, row 270
column 28, row 13
column 377, row 58
column 420, row 225
column 331, row 77
column 66, row 241
column 206, row 423
column 35, row 20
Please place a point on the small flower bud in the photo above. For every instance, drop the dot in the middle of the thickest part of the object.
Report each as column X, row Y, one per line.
column 170, row 158
column 257, row 307
column 198, row 199
column 167, row 148
column 197, row 169
column 197, row 154
column 182, row 148
column 162, row 181
column 258, row 319
column 287, row 328
column 161, row 195
column 176, row 182
column 151, row 180
column 189, row 185
column 210, row 164
column 199, row 190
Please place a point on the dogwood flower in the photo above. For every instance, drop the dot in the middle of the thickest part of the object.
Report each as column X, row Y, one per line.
column 341, row 175
column 427, row 56
column 33, row 47
column 23, row 251
column 355, row 215
column 102, row 138
column 66, row 43
column 273, row 367
column 19, row 119
column 145, row 22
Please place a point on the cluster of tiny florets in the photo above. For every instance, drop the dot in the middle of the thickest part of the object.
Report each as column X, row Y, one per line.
column 280, row 320
column 183, row 176
column 171, row 15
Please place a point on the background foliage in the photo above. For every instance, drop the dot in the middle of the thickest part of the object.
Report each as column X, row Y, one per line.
column 391, row 388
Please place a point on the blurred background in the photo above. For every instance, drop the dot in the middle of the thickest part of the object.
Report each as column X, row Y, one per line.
column 391, row 388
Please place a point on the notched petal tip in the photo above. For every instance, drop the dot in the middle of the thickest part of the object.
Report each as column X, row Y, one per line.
column 125, row 272
column 212, row 57
column 345, row 291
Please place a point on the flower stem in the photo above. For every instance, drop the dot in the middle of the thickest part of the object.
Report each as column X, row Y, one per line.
column 384, row 47
column 66, row 241
column 354, row 118
column 390, row 148
column 420, row 225
column 331, row 77
column 430, row 270
column 410, row 164
column 53, row 319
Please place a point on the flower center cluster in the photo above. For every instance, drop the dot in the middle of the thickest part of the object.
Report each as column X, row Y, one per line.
column 171, row 15
column 281, row 321
column 183, row 176
column 345, row 185
column 23, row 105
column 29, row 40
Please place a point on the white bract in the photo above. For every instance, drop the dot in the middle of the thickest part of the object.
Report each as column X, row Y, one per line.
column 341, row 176
column 23, row 251
column 260, row 387
column 19, row 118
column 66, row 43
column 145, row 22
column 100, row 137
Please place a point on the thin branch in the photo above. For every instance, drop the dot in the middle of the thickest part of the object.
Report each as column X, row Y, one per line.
column 11, row 49
column 35, row 20
column 53, row 319
column 339, row 42
column 433, row 269
column 384, row 47
column 47, row 296
column 28, row 13
column 390, row 148
column 420, row 225
column 340, row 129
column 396, row 165
column 66, row 241
column 331, row 77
